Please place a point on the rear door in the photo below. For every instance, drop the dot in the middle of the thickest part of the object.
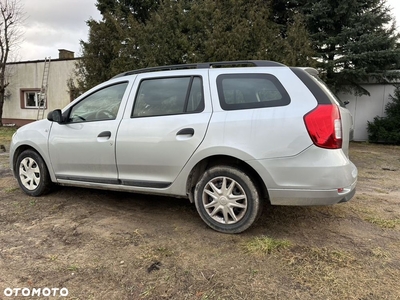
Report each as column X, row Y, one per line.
column 167, row 122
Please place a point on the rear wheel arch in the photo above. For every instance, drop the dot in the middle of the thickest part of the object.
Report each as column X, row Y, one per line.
column 223, row 160
column 227, row 199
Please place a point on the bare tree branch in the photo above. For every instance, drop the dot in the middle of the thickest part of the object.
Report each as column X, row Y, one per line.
column 11, row 18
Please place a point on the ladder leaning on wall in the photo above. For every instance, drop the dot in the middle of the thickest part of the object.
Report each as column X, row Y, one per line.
column 42, row 101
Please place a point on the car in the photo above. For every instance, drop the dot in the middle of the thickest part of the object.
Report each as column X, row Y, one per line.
column 229, row 136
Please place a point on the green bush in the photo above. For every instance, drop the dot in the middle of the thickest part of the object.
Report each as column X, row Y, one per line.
column 387, row 129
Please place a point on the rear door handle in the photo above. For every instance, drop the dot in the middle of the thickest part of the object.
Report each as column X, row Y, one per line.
column 186, row 131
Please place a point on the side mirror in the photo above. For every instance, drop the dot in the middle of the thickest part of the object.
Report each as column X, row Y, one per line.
column 55, row 116
column 346, row 102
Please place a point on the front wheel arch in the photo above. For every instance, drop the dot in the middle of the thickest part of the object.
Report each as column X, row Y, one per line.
column 28, row 158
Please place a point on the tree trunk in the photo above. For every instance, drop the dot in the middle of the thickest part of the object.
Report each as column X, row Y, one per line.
column 1, row 108
column 11, row 16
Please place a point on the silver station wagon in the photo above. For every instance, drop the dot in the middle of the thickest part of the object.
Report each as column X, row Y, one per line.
column 229, row 136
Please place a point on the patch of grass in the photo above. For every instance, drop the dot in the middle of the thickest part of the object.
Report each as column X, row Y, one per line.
column 148, row 291
column 383, row 223
column 265, row 245
column 165, row 251
column 381, row 191
column 11, row 190
column 380, row 253
column 6, row 134
column 373, row 217
column 53, row 257
column 73, row 268
column 331, row 257
column 324, row 270
column 208, row 295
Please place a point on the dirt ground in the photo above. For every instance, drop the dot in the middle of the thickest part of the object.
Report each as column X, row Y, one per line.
column 110, row 245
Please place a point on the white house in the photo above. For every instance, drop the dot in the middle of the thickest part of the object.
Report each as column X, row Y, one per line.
column 22, row 100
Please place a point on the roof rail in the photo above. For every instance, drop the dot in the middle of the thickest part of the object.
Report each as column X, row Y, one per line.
column 207, row 65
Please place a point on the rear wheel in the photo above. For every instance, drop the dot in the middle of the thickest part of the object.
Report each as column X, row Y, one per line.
column 227, row 199
column 32, row 174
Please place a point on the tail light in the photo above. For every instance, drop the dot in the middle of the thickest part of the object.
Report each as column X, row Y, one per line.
column 325, row 126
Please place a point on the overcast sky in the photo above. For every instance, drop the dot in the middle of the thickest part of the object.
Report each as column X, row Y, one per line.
column 55, row 24
column 60, row 24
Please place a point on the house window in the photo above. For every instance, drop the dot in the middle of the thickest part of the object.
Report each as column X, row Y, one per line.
column 30, row 98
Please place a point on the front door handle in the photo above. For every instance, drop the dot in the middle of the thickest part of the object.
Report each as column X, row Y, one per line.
column 105, row 134
column 186, row 131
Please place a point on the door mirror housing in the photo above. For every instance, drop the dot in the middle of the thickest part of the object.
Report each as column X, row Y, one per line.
column 55, row 116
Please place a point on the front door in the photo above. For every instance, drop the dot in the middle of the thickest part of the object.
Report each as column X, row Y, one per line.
column 83, row 148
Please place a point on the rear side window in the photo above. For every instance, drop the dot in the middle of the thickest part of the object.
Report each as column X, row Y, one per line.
column 244, row 91
column 169, row 96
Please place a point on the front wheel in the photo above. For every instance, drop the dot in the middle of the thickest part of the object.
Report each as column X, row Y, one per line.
column 32, row 174
column 227, row 199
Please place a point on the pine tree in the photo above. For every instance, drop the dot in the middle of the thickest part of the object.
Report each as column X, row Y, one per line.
column 298, row 48
column 186, row 31
column 387, row 129
column 98, row 52
column 139, row 9
column 354, row 40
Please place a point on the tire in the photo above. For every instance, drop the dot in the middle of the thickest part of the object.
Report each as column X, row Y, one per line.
column 227, row 199
column 32, row 174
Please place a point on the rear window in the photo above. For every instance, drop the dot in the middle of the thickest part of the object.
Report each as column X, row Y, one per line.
column 245, row 91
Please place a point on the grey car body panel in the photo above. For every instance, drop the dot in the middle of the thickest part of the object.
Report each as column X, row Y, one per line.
column 146, row 155
column 259, row 131
column 152, row 148
column 78, row 150
column 34, row 135
column 346, row 117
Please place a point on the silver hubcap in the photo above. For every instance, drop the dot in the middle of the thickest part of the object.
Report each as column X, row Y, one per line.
column 224, row 200
column 29, row 173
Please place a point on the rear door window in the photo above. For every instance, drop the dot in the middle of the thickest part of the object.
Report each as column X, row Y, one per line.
column 169, row 96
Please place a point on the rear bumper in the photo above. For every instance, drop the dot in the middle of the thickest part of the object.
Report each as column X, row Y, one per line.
column 297, row 197
column 315, row 176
